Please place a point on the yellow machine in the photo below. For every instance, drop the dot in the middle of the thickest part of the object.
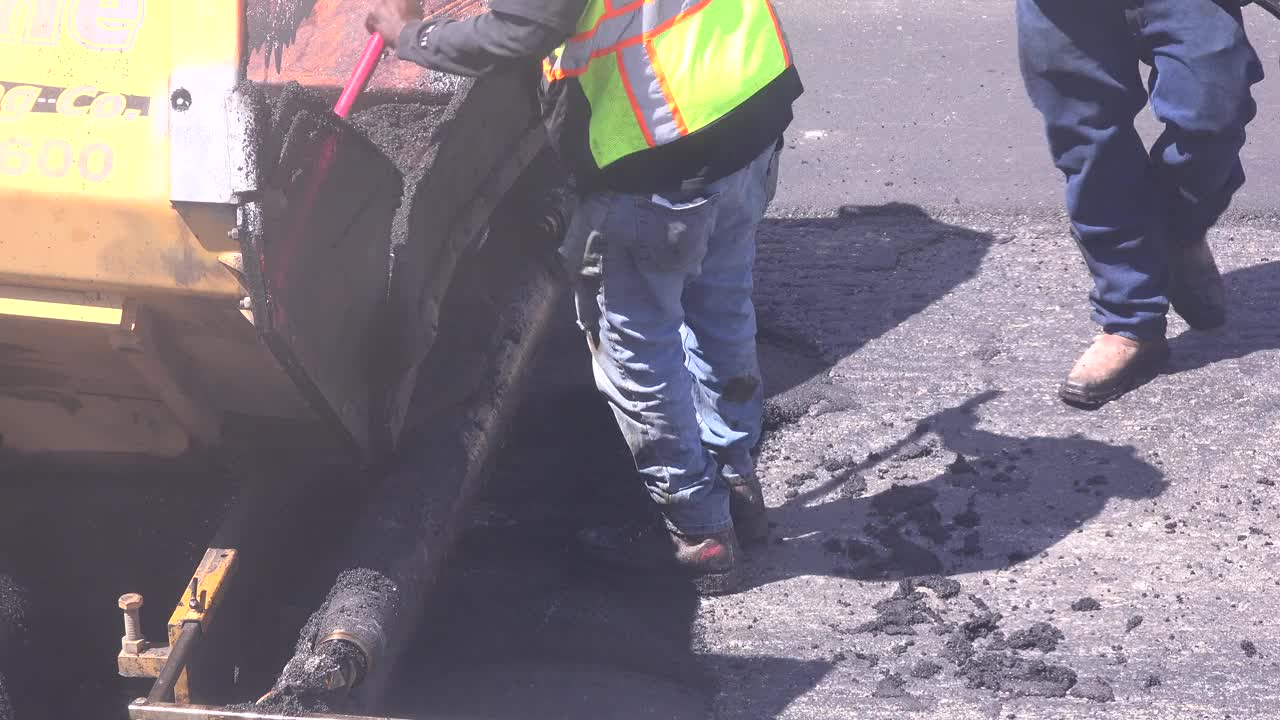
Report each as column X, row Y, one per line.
column 123, row 326
column 159, row 291
column 149, row 294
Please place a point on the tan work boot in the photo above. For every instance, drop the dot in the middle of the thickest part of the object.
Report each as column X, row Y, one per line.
column 1111, row 367
column 1197, row 292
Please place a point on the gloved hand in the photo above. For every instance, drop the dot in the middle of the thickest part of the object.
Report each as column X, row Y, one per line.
column 388, row 18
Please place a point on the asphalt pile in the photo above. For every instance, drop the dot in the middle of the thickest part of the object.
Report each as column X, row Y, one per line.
column 975, row 648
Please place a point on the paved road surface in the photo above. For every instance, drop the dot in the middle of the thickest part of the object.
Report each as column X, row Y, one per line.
column 922, row 103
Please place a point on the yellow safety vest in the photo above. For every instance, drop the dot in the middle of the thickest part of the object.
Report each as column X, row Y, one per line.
column 654, row 71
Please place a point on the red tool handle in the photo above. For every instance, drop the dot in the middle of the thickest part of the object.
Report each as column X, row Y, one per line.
column 364, row 68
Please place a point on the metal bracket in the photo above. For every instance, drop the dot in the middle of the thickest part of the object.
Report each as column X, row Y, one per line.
column 208, row 586
column 211, row 136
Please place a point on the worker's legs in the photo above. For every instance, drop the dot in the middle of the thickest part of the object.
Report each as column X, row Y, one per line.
column 720, row 323
column 1204, row 67
column 720, row 342
column 1080, row 63
column 636, row 258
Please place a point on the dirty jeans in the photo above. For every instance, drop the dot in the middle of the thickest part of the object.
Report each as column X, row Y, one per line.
column 1080, row 62
column 663, row 291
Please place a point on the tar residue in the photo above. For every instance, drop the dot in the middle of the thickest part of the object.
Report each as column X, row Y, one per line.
column 975, row 647
column 898, row 615
column 403, row 131
column 272, row 25
column 1040, row 636
column 300, row 687
column 1017, row 675
column 1086, row 604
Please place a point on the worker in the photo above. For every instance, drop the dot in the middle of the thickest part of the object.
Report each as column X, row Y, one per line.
column 1141, row 216
column 669, row 114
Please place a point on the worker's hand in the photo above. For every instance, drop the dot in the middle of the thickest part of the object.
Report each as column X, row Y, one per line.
column 388, row 18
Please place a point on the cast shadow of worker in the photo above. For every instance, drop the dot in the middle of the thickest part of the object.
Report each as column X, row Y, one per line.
column 827, row 286
column 961, row 499
column 1253, row 294
column 528, row 629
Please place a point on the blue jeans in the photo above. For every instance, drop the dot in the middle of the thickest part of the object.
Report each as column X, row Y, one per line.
column 663, row 291
column 1080, row 61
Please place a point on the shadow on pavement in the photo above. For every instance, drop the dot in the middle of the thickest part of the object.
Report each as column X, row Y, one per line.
column 986, row 501
column 1253, row 293
column 827, row 286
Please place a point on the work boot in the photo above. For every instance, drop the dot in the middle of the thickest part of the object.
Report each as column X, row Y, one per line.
column 710, row 562
column 746, row 505
column 1196, row 291
column 1112, row 366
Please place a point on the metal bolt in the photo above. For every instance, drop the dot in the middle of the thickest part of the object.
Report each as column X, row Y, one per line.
column 193, row 602
column 131, row 604
column 246, row 303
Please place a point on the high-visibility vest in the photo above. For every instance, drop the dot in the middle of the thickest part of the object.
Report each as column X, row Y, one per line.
column 654, row 71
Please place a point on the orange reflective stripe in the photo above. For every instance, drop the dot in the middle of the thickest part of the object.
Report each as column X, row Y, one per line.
column 782, row 40
column 661, row 77
column 635, row 104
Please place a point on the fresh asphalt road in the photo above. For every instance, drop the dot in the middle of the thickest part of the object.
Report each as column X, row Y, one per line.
column 922, row 102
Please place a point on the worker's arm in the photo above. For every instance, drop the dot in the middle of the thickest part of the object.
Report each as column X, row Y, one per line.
column 512, row 33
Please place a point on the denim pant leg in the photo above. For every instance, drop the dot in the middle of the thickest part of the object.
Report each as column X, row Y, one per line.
column 1080, row 63
column 637, row 259
column 720, row 323
column 1204, row 67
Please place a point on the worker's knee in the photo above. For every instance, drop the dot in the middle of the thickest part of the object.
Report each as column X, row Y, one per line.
column 1203, row 80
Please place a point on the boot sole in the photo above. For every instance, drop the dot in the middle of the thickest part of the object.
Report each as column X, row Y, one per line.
column 1141, row 374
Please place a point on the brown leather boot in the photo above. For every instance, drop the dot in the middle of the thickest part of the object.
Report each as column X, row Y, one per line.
column 710, row 562
column 746, row 505
column 1111, row 367
column 1197, row 292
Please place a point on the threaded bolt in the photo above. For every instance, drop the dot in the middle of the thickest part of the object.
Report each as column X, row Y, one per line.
column 131, row 604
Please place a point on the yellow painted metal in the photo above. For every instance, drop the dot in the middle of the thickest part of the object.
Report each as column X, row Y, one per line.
column 211, row 582
column 73, row 306
column 53, row 422
column 146, row 664
column 84, row 148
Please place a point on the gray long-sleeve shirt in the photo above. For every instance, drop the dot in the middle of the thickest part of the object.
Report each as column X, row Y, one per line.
column 512, row 33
